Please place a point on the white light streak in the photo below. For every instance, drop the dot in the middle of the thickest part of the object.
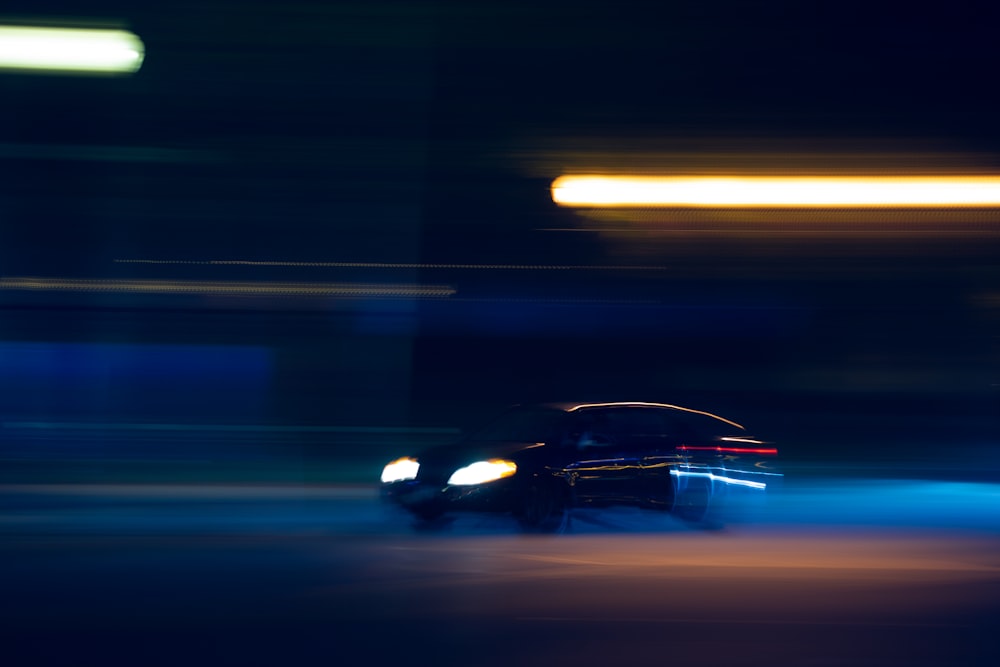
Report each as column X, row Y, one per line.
column 482, row 472
column 70, row 50
column 400, row 470
column 719, row 478
column 777, row 192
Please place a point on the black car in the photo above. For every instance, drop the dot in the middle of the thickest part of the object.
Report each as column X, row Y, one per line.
column 539, row 461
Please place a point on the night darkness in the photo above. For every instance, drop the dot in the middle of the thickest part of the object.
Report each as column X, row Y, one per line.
column 308, row 237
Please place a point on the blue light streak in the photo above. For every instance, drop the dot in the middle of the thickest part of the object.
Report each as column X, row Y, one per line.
column 719, row 478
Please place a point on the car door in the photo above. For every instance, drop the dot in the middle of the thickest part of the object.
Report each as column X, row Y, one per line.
column 607, row 451
column 667, row 457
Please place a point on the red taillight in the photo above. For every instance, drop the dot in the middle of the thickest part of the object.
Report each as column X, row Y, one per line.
column 734, row 450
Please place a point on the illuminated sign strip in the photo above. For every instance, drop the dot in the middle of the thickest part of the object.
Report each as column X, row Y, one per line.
column 70, row 50
column 777, row 192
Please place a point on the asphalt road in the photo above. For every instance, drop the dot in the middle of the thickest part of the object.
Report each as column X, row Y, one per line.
column 832, row 572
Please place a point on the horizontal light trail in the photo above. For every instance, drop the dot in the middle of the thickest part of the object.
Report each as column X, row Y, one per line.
column 719, row 478
column 392, row 265
column 644, row 404
column 70, row 50
column 103, row 153
column 734, row 450
column 777, row 192
column 758, row 473
column 229, row 288
column 853, row 232
column 253, row 428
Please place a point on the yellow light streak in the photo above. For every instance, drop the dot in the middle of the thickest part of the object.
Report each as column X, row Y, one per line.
column 70, row 50
column 482, row 472
column 400, row 470
column 777, row 192
column 643, row 404
column 229, row 288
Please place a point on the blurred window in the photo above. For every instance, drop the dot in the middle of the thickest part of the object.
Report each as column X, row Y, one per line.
column 521, row 425
column 628, row 428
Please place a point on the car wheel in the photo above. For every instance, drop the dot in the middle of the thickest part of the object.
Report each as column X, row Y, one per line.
column 543, row 509
column 692, row 501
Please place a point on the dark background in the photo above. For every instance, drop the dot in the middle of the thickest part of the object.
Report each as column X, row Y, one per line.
column 306, row 238
column 415, row 142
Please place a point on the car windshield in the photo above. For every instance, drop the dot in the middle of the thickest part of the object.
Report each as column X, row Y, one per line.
column 520, row 425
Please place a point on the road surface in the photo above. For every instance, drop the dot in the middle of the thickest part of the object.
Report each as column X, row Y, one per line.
column 832, row 572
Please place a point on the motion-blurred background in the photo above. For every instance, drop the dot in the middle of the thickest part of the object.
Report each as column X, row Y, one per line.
column 291, row 241
column 307, row 236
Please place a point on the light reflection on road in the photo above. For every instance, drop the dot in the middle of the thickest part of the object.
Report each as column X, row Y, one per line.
column 846, row 572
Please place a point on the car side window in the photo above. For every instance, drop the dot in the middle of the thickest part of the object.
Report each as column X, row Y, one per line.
column 623, row 428
column 687, row 431
column 520, row 425
column 588, row 429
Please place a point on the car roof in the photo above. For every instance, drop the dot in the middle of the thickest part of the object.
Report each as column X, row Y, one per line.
column 575, row 407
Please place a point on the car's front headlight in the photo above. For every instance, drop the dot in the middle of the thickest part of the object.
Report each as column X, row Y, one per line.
column 481, row 472
column 400, row 470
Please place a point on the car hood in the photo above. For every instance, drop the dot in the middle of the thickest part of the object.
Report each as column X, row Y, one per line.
column 466, row 452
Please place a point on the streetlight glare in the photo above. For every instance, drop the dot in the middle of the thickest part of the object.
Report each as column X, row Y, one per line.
column 599, row 191
column 70, row 50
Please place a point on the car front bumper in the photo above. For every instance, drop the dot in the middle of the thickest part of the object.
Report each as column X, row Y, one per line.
column 423, row 497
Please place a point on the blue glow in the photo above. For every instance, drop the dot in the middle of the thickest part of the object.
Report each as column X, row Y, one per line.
column 747, row 472
column 132, row 381
column 513, row 314
column 719, row 478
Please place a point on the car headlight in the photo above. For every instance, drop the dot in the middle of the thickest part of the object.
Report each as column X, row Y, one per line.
column 481, row 472
column 399, row 470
